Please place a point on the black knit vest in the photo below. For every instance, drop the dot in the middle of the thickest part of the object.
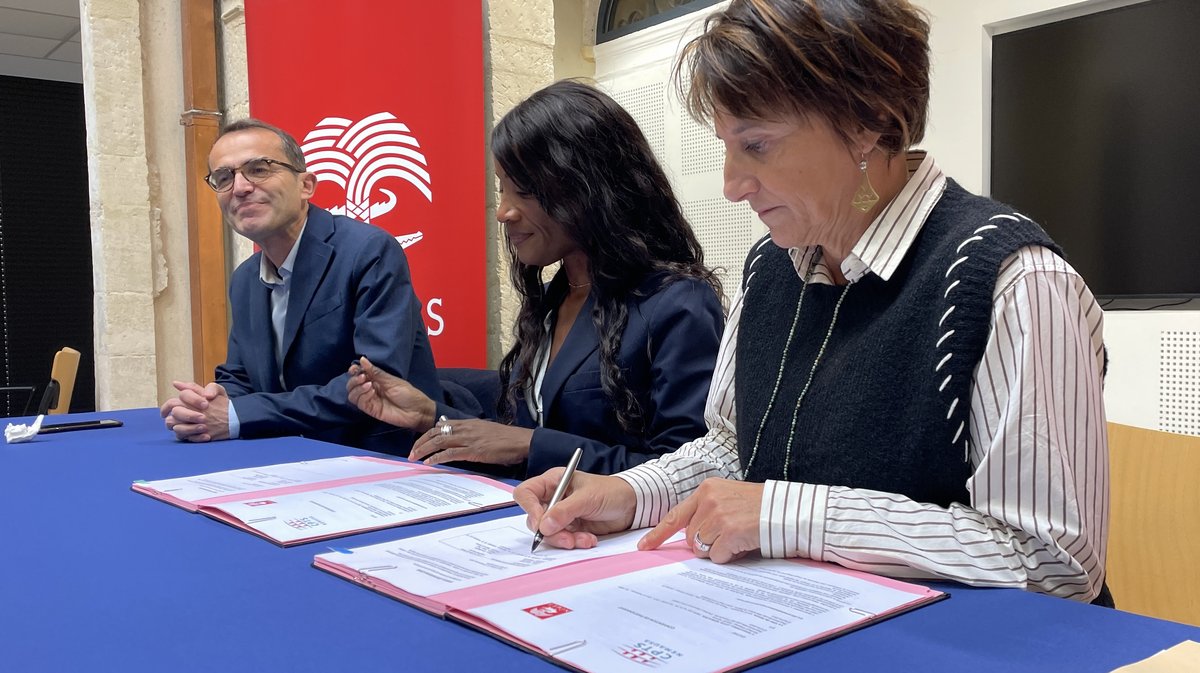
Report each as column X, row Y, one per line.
column 889, row 404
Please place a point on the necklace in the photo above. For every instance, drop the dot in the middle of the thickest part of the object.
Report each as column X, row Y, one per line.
column 812, row 265
column 573, row 286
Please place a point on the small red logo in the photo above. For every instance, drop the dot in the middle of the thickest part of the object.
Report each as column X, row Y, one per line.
column 639, row 656
column 259, row 503
column 547, row 610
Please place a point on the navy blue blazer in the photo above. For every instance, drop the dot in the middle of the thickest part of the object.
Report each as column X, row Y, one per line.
column 351, row 295
column 668, row 352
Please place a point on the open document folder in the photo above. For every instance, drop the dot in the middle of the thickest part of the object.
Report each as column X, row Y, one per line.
column 294, row 503
column 613, row 608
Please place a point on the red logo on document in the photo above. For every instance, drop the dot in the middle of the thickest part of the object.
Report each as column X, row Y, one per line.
column 648, row 653
column 639, row 656
column 259, row 503
column 547, row 610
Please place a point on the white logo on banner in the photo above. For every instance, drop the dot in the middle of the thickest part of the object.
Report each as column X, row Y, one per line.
column 357, row 155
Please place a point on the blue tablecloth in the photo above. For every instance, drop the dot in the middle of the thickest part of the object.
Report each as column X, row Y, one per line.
column 94, row 576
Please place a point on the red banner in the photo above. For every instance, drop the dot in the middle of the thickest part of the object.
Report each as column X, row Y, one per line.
column 387, row 100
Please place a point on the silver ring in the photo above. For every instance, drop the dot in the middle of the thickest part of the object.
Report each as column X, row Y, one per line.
column 445, row 429
column 698, row 545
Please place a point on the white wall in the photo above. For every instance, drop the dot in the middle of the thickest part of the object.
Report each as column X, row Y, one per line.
column 1147, row 385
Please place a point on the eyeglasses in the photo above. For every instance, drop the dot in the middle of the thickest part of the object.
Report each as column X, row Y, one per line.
column 255, row 170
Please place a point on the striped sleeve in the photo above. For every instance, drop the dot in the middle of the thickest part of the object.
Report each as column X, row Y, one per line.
column 1038, row 517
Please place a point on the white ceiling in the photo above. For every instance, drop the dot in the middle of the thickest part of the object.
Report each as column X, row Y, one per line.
column 40, row 39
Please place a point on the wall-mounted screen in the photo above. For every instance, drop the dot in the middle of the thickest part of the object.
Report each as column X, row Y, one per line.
column 1096, row 135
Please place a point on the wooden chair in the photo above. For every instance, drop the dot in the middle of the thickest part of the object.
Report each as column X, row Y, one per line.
column 57, row 399
column 1154, row 523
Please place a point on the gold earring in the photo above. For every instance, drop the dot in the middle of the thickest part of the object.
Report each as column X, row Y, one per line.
column 865, row 197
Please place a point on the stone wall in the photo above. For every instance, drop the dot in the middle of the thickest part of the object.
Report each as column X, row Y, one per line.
column 235, row 96
column 119, row 193
column 518, row 60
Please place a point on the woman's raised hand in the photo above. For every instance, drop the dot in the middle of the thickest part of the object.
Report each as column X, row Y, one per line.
column 389, row 398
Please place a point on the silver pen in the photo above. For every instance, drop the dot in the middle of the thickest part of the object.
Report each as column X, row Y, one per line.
column 558, row 492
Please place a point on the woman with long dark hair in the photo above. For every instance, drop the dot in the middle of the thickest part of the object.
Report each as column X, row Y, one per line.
column 614, row 354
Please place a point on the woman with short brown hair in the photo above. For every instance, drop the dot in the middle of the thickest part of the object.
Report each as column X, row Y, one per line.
column 917, row 370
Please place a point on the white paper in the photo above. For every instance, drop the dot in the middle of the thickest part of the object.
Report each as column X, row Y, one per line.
column 15, row 433
column 468, row 556
column 252, row 479
column 694, row 616
column 377, row 504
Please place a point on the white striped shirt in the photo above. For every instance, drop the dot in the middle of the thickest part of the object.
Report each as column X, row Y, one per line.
column 1038, row 516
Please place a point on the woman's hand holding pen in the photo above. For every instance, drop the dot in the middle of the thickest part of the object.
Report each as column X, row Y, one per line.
column 594, row 505
column 721, row 517
column 389, row 398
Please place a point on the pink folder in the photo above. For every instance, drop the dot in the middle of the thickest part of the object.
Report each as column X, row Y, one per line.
column 211, row 506
column 460, row 605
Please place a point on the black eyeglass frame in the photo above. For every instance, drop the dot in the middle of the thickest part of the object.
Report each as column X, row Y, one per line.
column 208, row 179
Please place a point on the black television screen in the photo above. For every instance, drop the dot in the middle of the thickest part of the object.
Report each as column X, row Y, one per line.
column 1096, row 135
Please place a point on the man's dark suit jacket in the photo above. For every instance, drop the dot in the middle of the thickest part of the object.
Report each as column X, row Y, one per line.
column 351, row 294
column 668, row 351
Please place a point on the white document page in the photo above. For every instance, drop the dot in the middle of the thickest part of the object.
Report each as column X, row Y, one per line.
column 377, row 504
column 469, row 556
column 694, row 616
column 252, row 479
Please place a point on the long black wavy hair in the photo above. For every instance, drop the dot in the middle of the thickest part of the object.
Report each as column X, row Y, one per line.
column 584, row 159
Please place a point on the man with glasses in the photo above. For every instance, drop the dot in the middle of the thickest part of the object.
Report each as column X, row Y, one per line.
column 322, row 290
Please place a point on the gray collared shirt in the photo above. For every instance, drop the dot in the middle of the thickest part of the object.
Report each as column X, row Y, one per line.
column 279, row 281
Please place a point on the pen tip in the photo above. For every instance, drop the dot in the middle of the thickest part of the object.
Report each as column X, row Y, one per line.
column 536, row 541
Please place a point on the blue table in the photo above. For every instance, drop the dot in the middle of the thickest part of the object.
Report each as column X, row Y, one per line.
column 96, row 577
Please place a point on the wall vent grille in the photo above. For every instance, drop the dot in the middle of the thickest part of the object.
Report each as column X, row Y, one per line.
column 702, row 152
column 726, row 232
column 1179, row 382
column 645, row 104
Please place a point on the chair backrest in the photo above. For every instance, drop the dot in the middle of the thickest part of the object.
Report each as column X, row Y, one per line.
column 62, row 375
column 1154, row 523
column 7, row 392
column 475, row 392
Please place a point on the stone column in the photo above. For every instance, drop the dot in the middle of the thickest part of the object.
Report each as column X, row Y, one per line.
column 235, row 103
column 122, row 254
column 165, row 166
column 518, row 60
column 575, row 38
